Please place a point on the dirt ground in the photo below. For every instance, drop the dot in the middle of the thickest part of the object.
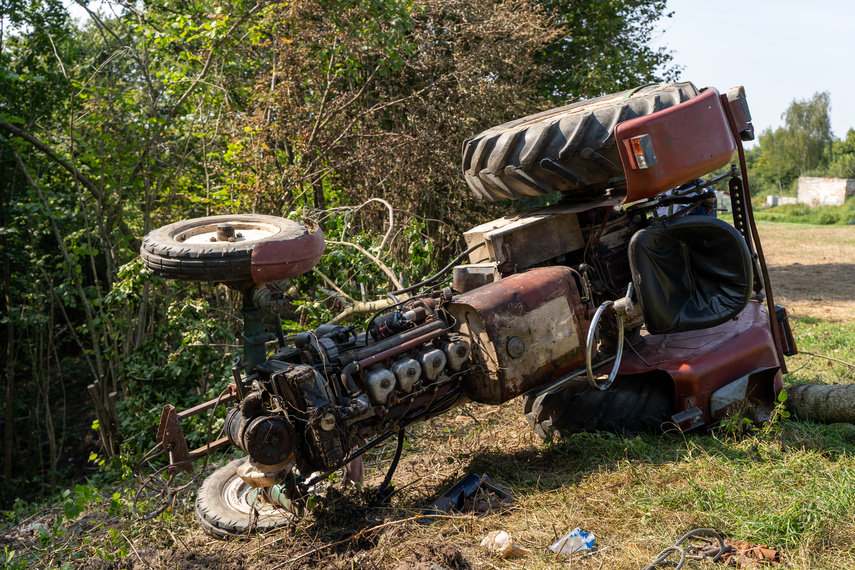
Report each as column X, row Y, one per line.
column 813, row 274
column 812, row 269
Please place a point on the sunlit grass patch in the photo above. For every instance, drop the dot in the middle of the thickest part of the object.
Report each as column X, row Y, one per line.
column 827, row 352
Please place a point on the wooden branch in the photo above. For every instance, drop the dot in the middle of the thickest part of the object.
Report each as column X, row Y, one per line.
column 361, row 308
column 822, row 403
column 50, row 153
column 383, row 267
column 335, row 287
column 391, row 220
column 79, row 176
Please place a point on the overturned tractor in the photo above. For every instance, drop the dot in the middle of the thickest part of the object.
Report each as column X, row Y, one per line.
column 623, row 307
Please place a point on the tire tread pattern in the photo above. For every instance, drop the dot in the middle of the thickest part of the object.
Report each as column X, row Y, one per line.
column 570, row 149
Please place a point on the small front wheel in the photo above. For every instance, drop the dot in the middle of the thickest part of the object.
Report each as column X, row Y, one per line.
column 223, row 248
column 226, row 507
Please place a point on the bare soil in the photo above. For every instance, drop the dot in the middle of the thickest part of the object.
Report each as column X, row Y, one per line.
column 812, row 269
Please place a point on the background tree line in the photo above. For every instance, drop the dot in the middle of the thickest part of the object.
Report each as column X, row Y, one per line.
column 803, row 146
column 144, row 113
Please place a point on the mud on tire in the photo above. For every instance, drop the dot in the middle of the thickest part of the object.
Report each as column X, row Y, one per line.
column 570, row 149
column 183, row 250
column 225, row 509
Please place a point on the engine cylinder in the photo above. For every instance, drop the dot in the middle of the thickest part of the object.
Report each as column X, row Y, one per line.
column 433, row 361
column 379, row 383
column 407, row 371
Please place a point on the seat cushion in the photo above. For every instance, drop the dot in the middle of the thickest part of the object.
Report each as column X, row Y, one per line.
column 690, row 273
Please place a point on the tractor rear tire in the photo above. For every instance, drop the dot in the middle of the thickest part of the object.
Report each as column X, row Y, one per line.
column 570, row 149
column 630, row 405
column 225, row 507
column 184, row 250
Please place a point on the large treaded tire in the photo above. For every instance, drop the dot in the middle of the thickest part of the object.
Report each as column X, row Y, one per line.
column 165, row 251
column 223, row 511
column 570, row 149
column 630, row 405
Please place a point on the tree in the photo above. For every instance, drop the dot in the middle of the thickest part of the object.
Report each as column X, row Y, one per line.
column 842, row 163
column 803, row 144
column 347, row 107
column 605, row 47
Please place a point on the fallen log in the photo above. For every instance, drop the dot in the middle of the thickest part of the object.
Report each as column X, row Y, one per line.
column 822, row 403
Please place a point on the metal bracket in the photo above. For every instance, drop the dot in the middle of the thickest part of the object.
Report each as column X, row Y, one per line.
column 171, row 436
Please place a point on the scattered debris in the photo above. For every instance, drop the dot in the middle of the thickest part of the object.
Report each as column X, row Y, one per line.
column 692, row 546
column 741, row 554
column 474, row 493
column 736, row 553
column 577, row 539
column 502, row 545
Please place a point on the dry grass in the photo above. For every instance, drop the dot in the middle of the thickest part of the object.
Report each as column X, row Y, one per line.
column 790, row 487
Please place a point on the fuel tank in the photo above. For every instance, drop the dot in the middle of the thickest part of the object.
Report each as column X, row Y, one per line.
column 524, row 330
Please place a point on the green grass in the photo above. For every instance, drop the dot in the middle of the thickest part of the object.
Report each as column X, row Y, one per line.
column 804, row 214
column 824, row 340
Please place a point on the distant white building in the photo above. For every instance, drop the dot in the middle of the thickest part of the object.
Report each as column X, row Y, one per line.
column 780, row 200
column 825, row 191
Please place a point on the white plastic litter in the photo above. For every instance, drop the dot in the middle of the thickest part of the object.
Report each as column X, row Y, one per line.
column 576, row 540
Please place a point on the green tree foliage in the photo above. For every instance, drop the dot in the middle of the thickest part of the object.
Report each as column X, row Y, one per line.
column 604, row 46
column 803, row 144
column 335, row 119
column 842, row 163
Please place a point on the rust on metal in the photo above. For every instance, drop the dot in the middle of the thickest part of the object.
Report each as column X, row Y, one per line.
column 520, row 241
column 274, row 260
column 171, row 437
column 230, row 397
column 374, row 358
column 201, row 452
column 525, row 330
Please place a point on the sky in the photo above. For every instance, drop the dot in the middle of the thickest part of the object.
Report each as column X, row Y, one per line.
column 780, row 50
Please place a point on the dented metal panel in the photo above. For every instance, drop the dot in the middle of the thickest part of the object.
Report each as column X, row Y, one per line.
column 524, row 330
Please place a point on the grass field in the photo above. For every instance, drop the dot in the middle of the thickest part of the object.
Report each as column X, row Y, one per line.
column 787, row 485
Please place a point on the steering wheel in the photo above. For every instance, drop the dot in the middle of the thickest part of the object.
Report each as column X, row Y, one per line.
column 589, row 344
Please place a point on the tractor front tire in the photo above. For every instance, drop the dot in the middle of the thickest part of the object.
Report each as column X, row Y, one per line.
column 226, row 507
column 189, row 250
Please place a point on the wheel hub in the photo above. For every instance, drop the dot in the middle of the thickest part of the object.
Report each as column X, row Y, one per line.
column 228, row 232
